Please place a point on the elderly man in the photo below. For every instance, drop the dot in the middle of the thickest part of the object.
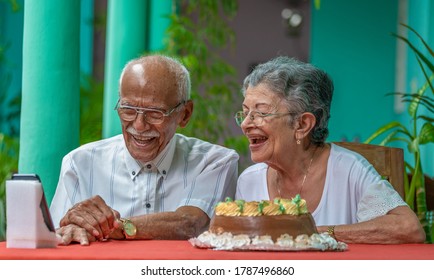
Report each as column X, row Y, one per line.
column 150, row 182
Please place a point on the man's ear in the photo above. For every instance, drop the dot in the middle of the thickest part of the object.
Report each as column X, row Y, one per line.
column 304, row 124
column 186, row 113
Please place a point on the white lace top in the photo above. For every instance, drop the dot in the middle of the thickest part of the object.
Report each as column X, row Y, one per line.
column 353, row 190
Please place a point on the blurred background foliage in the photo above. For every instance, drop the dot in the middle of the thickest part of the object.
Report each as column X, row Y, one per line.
column 8, row 165
column 197, row 33
column 9, row 132
column 91, row 109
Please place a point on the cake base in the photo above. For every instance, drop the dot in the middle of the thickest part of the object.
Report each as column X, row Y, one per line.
column 227, row 241
column 273, row 226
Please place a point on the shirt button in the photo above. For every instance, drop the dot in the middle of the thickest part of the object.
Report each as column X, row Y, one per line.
column 134, row 173
column 148, row 205
column 148, row 166
column 164, row 172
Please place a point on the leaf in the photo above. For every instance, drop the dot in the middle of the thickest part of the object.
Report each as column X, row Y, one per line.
column 428, row 79
column 416, row 51
column 413, row 147
column 420, row 37
column 417, row 178
column 386, row 127
column 407, row 191
column 414, row 104
column 428, row 119
column 389, row 138
column 428, row 101
column 426, row 134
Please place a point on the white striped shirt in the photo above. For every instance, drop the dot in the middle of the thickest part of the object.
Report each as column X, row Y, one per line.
column 188, row 171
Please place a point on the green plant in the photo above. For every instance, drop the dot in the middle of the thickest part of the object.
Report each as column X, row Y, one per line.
column 197, row 35
column 10, row 108
column 15, row 6
column 420, row 132
column 9, row 118
column 91, row 108
column 9, row 123
column 8, row 165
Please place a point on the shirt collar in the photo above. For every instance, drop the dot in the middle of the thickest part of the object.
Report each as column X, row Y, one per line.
column 133, row 166
column 162, row 162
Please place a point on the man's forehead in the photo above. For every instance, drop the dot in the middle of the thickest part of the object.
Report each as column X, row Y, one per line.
column 138, row 71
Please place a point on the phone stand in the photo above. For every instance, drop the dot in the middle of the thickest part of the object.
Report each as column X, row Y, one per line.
column 26, row 216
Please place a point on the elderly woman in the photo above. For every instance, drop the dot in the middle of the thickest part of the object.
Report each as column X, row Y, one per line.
column 285, row 113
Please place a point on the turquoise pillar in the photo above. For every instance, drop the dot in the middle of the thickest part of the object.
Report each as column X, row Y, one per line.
column 86, row 37
column 159, row 21
column 126, row 39
column 51, row 88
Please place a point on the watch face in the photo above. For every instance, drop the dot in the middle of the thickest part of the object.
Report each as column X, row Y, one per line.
column 129, row 228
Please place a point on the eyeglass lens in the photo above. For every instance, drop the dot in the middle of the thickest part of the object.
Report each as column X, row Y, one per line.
column 253, row 115
column 130, row 114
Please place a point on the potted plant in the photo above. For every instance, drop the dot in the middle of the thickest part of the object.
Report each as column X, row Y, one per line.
column 415, row 135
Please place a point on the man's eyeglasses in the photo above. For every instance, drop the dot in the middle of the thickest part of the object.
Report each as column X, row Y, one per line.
column 151, row 116
column 256, row 116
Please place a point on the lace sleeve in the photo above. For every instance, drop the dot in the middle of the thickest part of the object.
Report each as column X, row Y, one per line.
column 378, row 199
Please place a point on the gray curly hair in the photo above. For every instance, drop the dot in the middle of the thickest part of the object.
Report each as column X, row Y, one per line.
column 304, row 87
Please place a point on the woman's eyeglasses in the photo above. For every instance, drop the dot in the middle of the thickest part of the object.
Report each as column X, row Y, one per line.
column 256, row 116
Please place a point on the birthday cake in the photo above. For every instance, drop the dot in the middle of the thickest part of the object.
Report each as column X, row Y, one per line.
column 281, row 224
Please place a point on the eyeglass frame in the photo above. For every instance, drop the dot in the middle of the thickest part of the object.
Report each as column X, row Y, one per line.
column 261, row 115
column 143, row 110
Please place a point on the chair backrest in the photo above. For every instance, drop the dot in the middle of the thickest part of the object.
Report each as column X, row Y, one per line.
column 388, row 161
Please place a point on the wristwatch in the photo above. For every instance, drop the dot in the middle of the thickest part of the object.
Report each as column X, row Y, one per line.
column 331, row 231
column 128, row 228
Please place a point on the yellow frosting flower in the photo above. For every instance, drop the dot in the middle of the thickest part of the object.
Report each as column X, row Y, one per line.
column 229, row 208
column 272, row 209
column 278, row 206
column 251, row 209
column 294, row 206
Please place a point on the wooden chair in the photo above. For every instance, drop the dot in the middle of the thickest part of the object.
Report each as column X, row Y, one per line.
column 388, row 161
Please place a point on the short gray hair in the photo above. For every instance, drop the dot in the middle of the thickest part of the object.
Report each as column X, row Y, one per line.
column 305, row 88
column 173, row 65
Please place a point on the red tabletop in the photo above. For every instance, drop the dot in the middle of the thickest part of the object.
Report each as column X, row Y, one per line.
column 183, row 250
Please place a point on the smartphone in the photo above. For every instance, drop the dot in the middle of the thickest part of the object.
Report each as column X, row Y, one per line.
column 44, row 206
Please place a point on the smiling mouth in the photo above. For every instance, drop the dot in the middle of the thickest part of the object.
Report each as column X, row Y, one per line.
column 142, row 140
column 257, row 140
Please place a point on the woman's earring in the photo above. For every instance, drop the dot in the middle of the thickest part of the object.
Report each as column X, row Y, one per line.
column 298, row 142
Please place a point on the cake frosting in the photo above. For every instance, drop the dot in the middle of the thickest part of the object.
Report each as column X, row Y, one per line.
column 263, row 218
column 279, row 224
column 279, row 206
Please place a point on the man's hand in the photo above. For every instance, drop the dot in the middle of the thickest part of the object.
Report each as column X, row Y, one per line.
column 74, row 233
column 94, row 216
